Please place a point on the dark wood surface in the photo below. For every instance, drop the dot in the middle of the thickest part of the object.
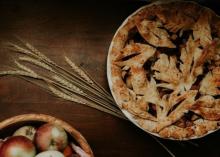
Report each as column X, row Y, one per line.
column 82, row 31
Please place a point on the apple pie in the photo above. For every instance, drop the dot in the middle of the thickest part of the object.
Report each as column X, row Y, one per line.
column 164, row 69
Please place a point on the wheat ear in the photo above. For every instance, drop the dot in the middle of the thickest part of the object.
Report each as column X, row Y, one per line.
column 61, row 94
column 20, row 73
column 35, row 51
column 19, row 49
column 79, row 71
column 88, row 79
column 67, row 84
column 23, row 67
column 36, row 62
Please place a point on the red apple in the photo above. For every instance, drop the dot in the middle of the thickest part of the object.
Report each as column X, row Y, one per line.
column 17, row 146
column 68, row 151
column 27, row 131
column 51, row 137
column 2, row 141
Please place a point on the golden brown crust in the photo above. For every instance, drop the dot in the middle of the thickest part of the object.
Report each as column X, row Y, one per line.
column 164, row 64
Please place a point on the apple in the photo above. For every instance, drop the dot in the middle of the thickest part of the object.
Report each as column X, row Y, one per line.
column 17, row 146
column 51, row 137
column 68, row 151
column 50, row 153
column 2, row 141
column 27, row 131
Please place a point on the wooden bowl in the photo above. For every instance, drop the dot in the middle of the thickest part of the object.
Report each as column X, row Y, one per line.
column 8, row 126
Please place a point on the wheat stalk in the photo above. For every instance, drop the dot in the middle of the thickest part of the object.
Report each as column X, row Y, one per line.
column 92, row 90
column 88, row 79
column 93, row 94
column 35, row 51
column 64, row 96
column 83, row 74
column 72, row 77
column 36, row 62
column 22, row 67
column 162, row 145
column 19, row 49
column 42, row 57
column 65, row 85
column 79, row 71
column 19, row 73
column 98, row 97
column 68, row 84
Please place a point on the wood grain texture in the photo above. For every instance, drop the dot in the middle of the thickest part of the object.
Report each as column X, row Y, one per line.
column 82, row 31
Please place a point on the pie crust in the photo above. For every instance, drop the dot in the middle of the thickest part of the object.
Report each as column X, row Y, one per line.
column 163, row 69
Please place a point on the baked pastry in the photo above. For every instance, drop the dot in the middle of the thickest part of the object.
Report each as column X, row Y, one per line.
column 163, row 69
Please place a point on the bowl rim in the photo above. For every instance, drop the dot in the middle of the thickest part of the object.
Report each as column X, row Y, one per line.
column 50, row 119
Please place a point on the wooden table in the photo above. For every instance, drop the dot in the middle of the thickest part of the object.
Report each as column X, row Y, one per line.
column 82, row 31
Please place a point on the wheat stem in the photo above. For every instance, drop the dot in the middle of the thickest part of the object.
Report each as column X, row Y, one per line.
column 105, row 105
column 161, row 144
column 68, row 86
column 96, row 106
column 88, row 89
column 90, row 103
